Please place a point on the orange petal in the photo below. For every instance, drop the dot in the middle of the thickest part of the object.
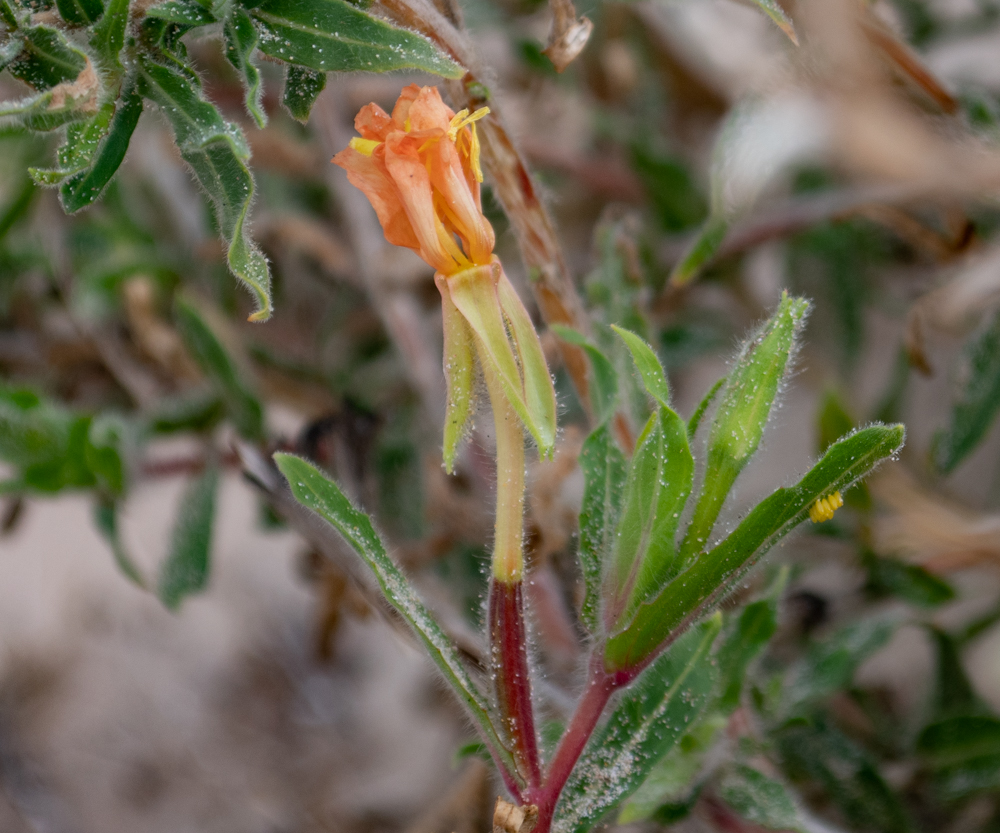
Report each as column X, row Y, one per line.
column 368, row 174
column 429, row 111
column 372, row 122
column 449, row 179
column 407, row 170
column 401, row 112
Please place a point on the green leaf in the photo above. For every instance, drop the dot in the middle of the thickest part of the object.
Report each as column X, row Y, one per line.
column 650, row 718
column 48, row 58
column 104, row 453
column 645, row 549
column 978, row 403
column 31, row 432
column 709, row 578
column 74, row 155
column 760, row 799
column 673, row 785
column 743, row 640
column 186, row 568
column 241, row 40
column 777, row 14
column 187, row 13
column 603, row 466
column 302, row 88
column 699, row 413
column 106, row 520
column 107, row 38
column 86, row 186
column 217, row 152
column 38, row 113
column 820, row 753
column 909, row 582
column 829, row 666
column 322, row 496
column 647, row 364
column 80, row 12
column 335, row 36
column 604, row 379
column 242, row 405
column 198, row 411
column 739, row 421
column 700, row 251
column 960, row 739
column 953, row 692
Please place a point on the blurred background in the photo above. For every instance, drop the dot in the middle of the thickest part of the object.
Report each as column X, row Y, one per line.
column 181, row 650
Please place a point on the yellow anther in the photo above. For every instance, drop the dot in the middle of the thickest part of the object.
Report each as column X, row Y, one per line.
column 463, row 119
column 365, row 146
column 823, row 509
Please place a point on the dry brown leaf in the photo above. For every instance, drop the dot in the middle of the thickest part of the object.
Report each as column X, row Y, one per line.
column 569, row 34
column 928, row 529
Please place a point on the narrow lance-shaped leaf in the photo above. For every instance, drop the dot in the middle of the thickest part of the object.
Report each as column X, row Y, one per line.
column 744, row 639
column 302, row 88
column 709, row 578
column 187, row 13
column 648, row 365
column 322, row 496
column 217, row 152
column 760, row 800
column 604, row 379
column 603, row 466
column 659, row 482
column 47, row 59
column 336, row 36
column 186, row 569
column 87, row 186
column 80, row 12
column 107, row 38
column 106, row 520
column 241, row 40
column 242, row 405
column 739, row 422
column 650, row 718
column 977, row 405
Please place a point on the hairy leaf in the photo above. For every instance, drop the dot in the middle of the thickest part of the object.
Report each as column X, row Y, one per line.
column 217, row 152
column 80, row 12
column 302, row 88
column 604, row 379
column 241, row 40
column 603, row 466
column 743, row 412
column 707, row 580
column 648, row 365
column 649, row 719
column 322, row 496
column 760, row 799
column 334, row 35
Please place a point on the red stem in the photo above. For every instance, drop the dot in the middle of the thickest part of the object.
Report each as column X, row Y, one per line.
column 588, row 712
column 509, row 659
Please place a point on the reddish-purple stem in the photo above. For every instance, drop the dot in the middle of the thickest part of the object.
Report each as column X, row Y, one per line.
column 509, row 659
column 588, row 712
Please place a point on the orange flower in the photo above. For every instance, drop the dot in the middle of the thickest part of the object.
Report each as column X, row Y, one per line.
column 420, row 170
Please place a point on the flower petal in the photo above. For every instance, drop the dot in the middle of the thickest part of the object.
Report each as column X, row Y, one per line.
column 372, row 122
column 405, row 166
column 368, row 174
column 449, row 179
